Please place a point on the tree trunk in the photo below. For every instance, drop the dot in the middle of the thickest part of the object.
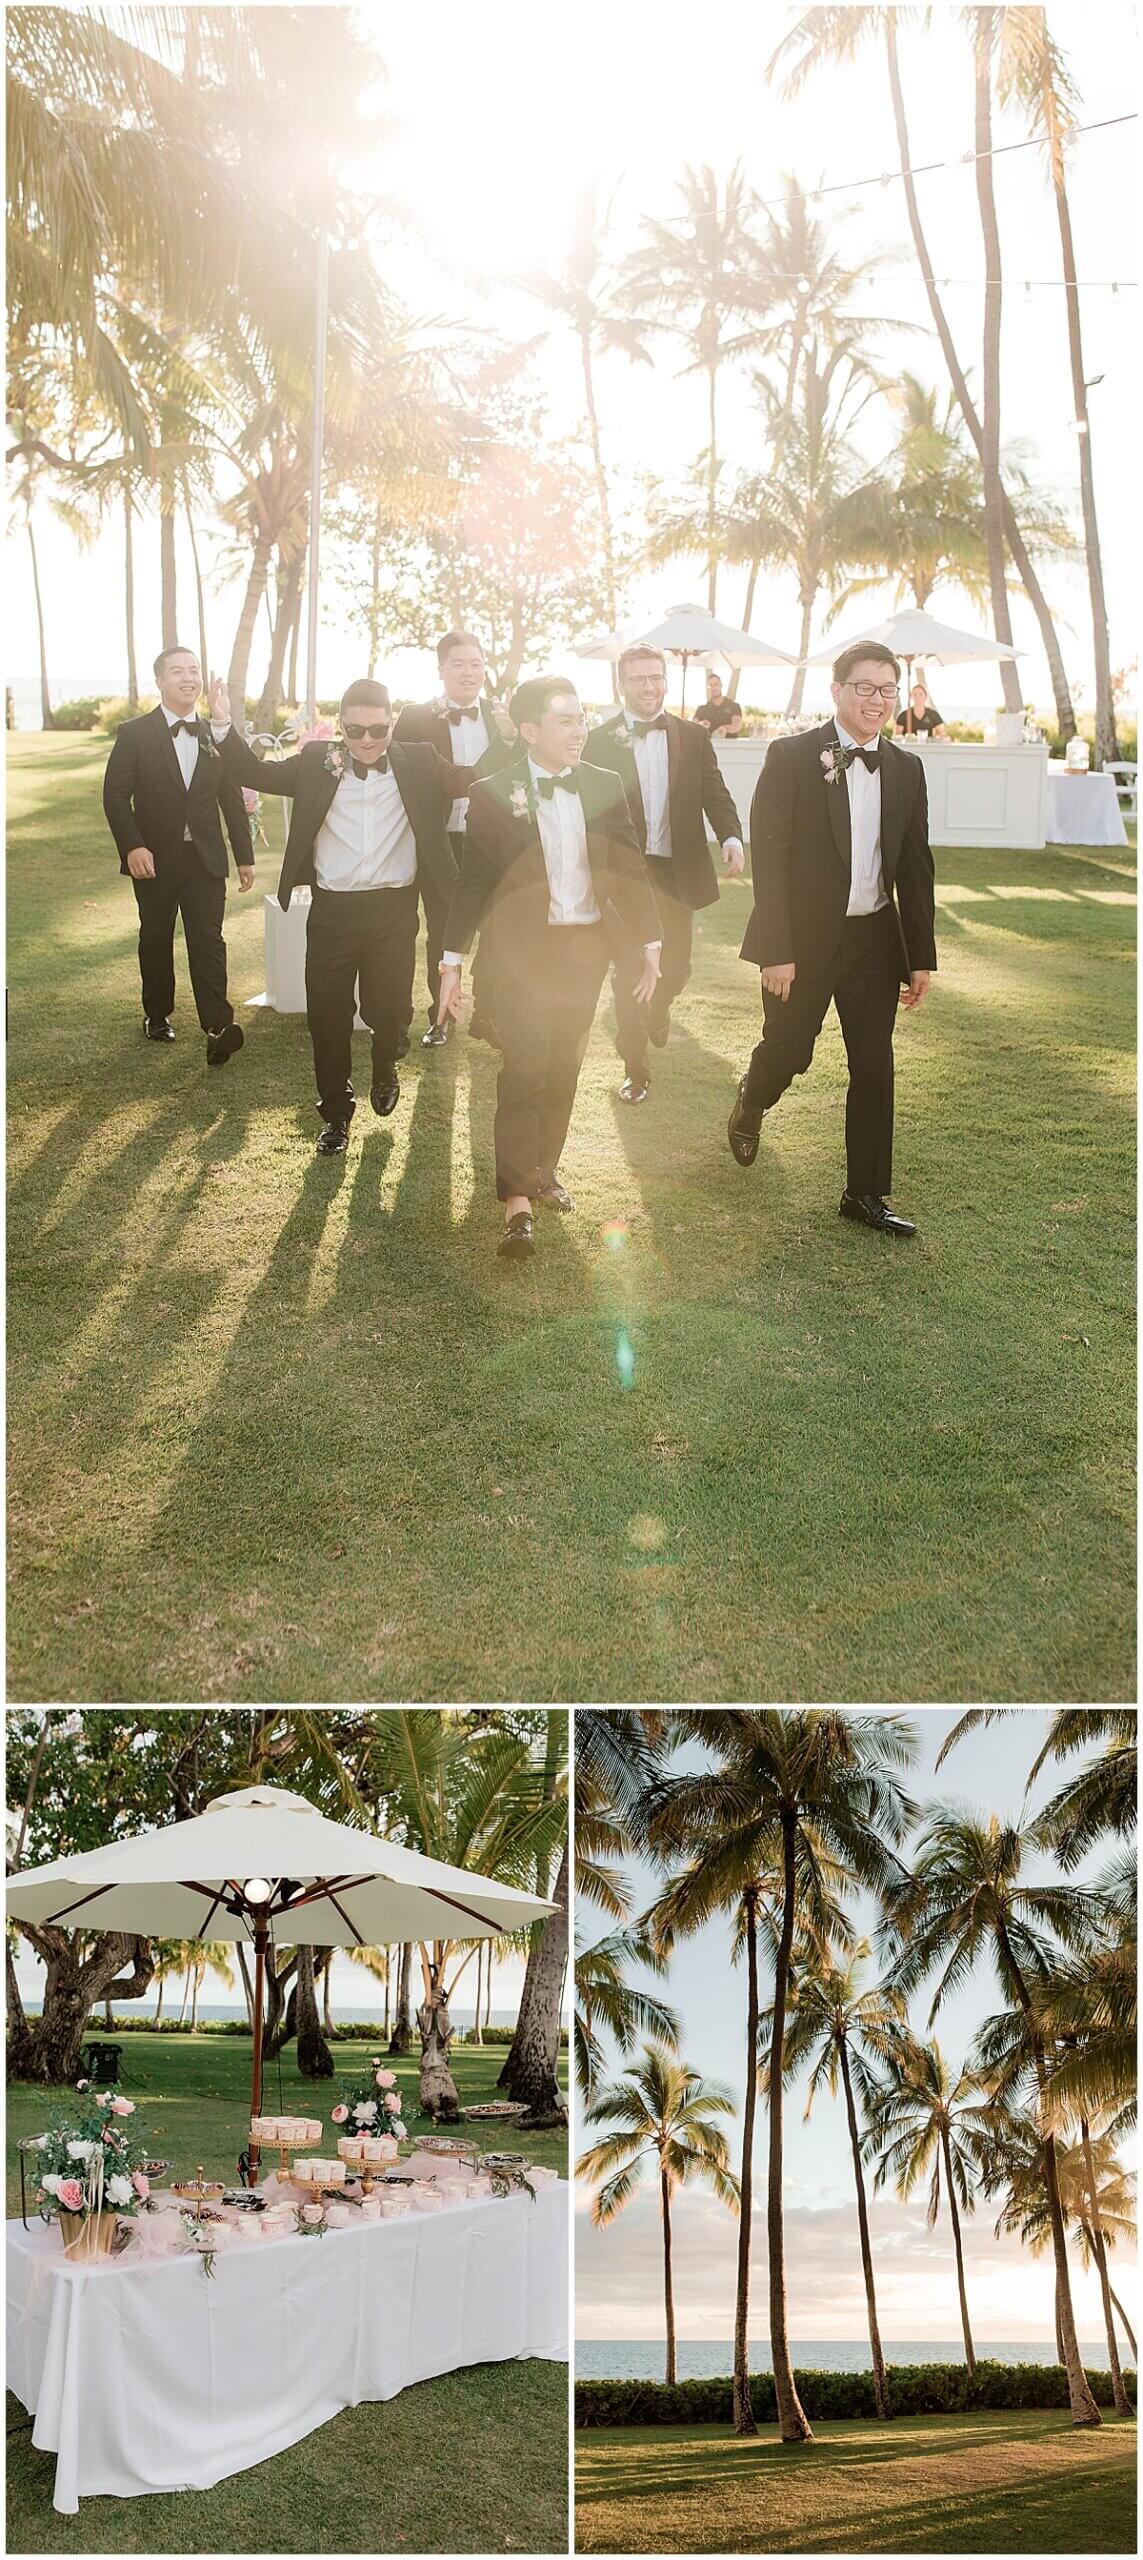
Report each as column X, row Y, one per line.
column 799, row 684
column 711, row 494
column 880, row 2380
column 477, row 2036
column 1083, row 2407
column 1059, row 2326
column 969, row 2350
column 1099, row 2253
column 792, row 2418
column 46, row 720
column 1065, row 716
column 295, row 644
column 186, row 1994
column 196, row 1978
column 668, row 2289
column 439, row 2098
column 1127, row 2326
column 488, row 1998
column 993, row 293
column 601, row 493
column 327, row 2018
column 19, row 2049
column 244, row 636
column 315, row 2061
column 401, row 2039
column 279, row 2027
column 530, row 2067
column 159, row 2001
column 200, row 599
column 288, row 593
column 129, row 595
column 374, row 590
column 75, row 1982
column 167, row 572
column 747, row 610
column 385, row 2023
column 247, row 1985
column 744, row 2420
column 1105, row 739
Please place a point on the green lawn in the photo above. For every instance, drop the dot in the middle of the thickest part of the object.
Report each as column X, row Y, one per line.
column 284, row 1428
column 474, row 2462
column 1000, row 2482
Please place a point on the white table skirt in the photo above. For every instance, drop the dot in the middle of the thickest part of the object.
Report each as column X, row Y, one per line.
column 1083, row 808
column 152, row 2376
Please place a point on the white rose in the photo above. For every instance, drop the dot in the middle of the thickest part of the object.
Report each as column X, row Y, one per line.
column 120, row 2191
column 51, row 2185
column 364, row 2114
column 80, row 2150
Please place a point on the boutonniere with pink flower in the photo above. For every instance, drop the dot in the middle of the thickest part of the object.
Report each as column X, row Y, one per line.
column 831, row 764
column 622, row 732
column 520, row 802
column 206, row 744
column 334, row 761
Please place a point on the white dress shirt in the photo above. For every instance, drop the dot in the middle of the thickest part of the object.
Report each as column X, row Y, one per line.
column 563, row 842
column 186, row 750
column 466, row 746
column 365, row 841
column 866, row 884
column 650, row 753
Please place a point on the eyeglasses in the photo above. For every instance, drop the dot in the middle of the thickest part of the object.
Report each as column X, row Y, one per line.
column 351, row 730
column 875, row 692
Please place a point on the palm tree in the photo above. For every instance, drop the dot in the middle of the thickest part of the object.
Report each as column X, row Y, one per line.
column 615, row 1763
column 660, row 2110
column 927, row 2122
column 1103, row 1797
column 985, row 26
column 797, row 1802
column 835, row 35
column 606, row 2001
column 1096, row 2193
column 842, row 2032
column 167, row 1959
column 694, row 276
column 965, row 1900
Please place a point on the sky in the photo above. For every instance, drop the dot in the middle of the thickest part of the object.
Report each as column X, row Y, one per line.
column 491, row 136
column 619, row 2285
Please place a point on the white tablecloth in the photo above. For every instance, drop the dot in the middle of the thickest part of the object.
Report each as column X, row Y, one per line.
column 154, row 2376
column 1083, row 808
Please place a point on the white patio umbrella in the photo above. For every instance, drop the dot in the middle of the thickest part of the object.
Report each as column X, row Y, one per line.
column 260, row 1855
column 689, row 631
column 912, row 634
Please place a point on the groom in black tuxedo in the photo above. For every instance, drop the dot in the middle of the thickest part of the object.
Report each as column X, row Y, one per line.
column 670, row 776
column 467, row 728
column 163, row 793
column 843, row 910
column 367, row 825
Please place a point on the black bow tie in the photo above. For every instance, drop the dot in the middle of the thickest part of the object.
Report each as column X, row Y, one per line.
column 641, row 727
column 455, row 717
column 552, row 782
column 869, row 757
column 191, row 727
column 363, row 770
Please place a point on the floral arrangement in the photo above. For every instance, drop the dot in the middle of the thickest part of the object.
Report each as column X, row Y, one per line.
column 91, row 2158
column 310, row 2222
column 373, row 2106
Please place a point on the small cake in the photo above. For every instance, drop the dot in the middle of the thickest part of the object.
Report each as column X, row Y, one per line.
column 321, row 2173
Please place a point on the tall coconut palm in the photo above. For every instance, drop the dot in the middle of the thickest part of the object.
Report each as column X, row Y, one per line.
column 985, row 30
column 1097, row 2195
column 827, row 34
column 608, row 2003
column 796, row 1803
column 663, row 2111
column 844, row 2031
column 925, row 2125
column 965, row 1901
column 1103, row 1797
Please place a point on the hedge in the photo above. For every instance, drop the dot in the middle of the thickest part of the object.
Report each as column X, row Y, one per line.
column 915, row 2391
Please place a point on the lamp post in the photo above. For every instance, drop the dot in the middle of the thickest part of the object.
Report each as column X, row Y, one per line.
column 321, row 319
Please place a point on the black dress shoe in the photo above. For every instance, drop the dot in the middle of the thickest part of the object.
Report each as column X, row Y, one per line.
column 436, row 1035
column 385, row 1092
column 333, row 1138
column 634, row 1088
column 553, row 1194
column 221, row 1045
column 158, row 1030
column 518, row 1239
column 869, row 1211
column 743, row 1128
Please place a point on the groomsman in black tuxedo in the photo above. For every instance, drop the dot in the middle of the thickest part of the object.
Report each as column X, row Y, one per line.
column 550, row 854
column 366, row 827
column 669, row 772
column 843, row 910
column 163, row 792
column 467, row 728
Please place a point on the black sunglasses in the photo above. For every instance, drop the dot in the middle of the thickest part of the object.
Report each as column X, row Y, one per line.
column 351, row 729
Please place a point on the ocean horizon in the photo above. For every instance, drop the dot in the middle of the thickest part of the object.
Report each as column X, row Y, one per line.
column 712, row 2359
column 363, row 2011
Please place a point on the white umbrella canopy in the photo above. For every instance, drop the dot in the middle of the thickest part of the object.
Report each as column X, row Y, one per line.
column 912, row 634
column 689, row 631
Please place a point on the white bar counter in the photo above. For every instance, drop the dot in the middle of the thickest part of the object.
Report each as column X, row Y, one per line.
column 978, row 795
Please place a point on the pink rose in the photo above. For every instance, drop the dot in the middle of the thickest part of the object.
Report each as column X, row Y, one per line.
column 71, row 2195
column 123, row 2106
column 339, row 2115
column 393, row 2102
column 142, row 2185
column 251, row 802
column 386, row 2079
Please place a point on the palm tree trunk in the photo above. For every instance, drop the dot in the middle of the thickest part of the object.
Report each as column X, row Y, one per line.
column 295, row 643
column 46, row 720
column 668, row 2293
column 167, row 573
column 1127, row 2325
column 200, row 599
column 993, row 294
column 1065, row 715
column 159, row 2001
column 747, row 610
column 799, row 684
column 315, row 2061
column 327, row 2019
column 197, row 1978
column 244, row 636
column 744, row 2420
column 375, row 589
column 1105, row 739
column 288, row 594
column 969, row 2351
column 488, row 1996
column 1059, row 2326
column 1083, row 2406
column 402, row 2036
column 477, row 2036
column 711, row 489
column 129, row 595
column 601, row 493
column 186, row 1994
column 1099, row 2253
column 792, row 2419
column 880, row 2379
column 388, row 1979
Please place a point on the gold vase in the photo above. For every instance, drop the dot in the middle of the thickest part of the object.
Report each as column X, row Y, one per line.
column 88, row 2235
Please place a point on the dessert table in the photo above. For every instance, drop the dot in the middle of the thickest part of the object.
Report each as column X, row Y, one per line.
column 1083, row 808
column 150, row 2374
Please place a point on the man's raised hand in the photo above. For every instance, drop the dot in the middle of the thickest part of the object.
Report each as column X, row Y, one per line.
column 219, row 702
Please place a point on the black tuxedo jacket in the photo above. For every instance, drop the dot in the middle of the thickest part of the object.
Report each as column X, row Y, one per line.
column 800, row 852
column 420, row 724
column 696, row 791
column 146, row 801
column 426, row 789
column 503, row 884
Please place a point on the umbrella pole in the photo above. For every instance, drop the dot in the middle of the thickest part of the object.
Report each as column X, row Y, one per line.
column 261, row 1943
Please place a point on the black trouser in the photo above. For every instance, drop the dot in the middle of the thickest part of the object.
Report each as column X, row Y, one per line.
column 363, row 939
column 436, row 904
column 634, row 1022
column 184, row 886
column 545, row 1015
column 863, row 976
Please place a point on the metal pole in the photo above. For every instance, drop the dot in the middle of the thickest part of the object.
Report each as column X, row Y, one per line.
column 261, row 1942
column 321, row 316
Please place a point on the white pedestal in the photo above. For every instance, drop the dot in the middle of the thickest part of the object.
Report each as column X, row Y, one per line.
column 977, row 795
column 285, row 988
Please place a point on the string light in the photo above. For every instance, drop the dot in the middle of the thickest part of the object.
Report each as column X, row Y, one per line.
column 926, row 168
